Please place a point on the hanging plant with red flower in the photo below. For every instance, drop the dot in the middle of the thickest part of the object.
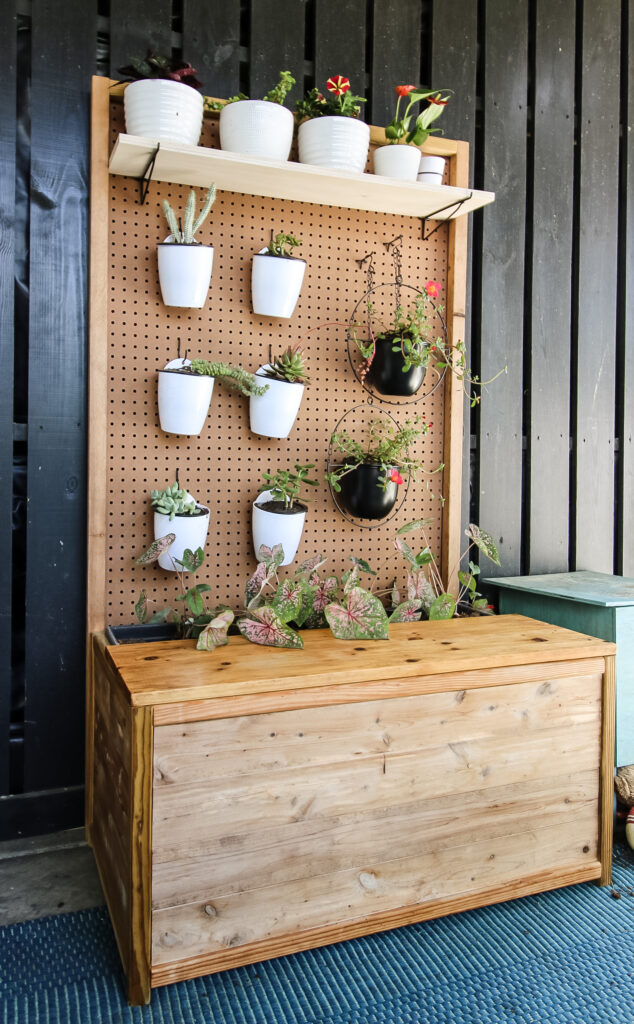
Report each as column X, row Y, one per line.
column 399, row 127
column 339, row 103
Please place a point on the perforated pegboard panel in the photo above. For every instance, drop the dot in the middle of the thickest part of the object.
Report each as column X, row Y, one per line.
column 223, row 467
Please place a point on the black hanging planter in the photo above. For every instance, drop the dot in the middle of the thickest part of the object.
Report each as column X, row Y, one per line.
column 386, row 371
column 361, row 496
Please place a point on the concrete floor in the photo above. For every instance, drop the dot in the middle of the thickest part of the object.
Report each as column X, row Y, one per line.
column 47, row 875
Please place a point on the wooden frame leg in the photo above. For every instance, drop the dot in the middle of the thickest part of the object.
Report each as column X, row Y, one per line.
column 607, row 771
column 139, row 971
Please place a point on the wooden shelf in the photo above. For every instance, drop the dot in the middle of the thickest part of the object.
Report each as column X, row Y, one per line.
column 198, row 165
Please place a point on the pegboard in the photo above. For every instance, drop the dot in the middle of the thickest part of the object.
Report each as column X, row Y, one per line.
column 223, row 467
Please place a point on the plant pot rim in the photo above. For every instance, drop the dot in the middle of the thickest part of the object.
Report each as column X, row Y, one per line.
column 342, row 117
column 277, row 256
column 163, row 81
column 276, row 380
column 202, row 510
column 186, row 245
column 299, row 509
column 269, row 103
column 377, row 465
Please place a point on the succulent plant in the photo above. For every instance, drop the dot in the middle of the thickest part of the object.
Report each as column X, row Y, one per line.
column 286, row 486
column 173, row 501
column 233, row 376
column 281, row 244
column 157, row 65
column 190, row 225
column 275, row 95
column 288, row 366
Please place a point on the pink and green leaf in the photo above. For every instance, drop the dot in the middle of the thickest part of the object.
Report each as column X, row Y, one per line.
column 420, row 589
column 484, row 541
column 406, row 551
column 360, row 617
column 407, row 611
column 156, row 549
column 140, row 607
column 215, row 632
column 289, row 599
column 264, row 626
column 444, row 607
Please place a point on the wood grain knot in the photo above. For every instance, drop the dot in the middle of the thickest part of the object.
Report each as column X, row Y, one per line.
column 368, row 881
column 210, row 910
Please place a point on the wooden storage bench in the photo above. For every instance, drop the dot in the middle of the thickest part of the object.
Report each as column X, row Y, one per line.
column 255, row 802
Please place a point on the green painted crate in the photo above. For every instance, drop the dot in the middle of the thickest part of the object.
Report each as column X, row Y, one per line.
column 588, row 602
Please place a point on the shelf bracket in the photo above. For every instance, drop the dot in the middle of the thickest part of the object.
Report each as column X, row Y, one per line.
column 146, row 177
column 454, row 207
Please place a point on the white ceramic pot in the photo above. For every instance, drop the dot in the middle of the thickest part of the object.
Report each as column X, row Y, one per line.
column 191, row 532
column 431, row 170
column 185, row 273
column 257, row 128
column 183, row 399
column 273, row 413
column 341, row 143
column 163, row 110
column 397, row 162
column 273, row 528
column 276, row 282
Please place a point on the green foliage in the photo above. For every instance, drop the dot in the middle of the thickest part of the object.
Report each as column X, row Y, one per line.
column 233, row 376
column 281, row 245
column 277, row 94
column 409, row 334
column 173, row 501
column 288, row 366
column 317, row 104
column 286, row 486
column 191, row 223
column 386, row 444
column 157, row 65
column 399, row 127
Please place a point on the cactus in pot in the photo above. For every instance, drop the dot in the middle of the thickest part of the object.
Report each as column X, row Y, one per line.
column 184, row 264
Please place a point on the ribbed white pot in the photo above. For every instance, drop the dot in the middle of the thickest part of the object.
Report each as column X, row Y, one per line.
column 431, row 170
column 163, row 110
column 341, row 143
column 185, row 273
column 183, row 401
column 257, row 128
column 397, row 162
column 273, row 413
column 276, row 282
column 271, row 528
column 191, row 532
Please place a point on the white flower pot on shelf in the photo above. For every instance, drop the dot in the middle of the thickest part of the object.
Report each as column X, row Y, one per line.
column 273, row 528
column 257, row 128
column 185, row 273
column 163, row 110
column 397, row 162
column 276, row 282
column 183, row 398
column 431, row 170
column 273, row 413
column 340, row 143
column 191, row 532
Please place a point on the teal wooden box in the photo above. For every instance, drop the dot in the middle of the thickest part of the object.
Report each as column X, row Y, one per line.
column 589, row 602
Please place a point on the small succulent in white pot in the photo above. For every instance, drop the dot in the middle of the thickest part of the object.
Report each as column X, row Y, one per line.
column 278, row 514
column 259, row 128
column 276, row 277
column 184, row 264
column 185, row 388
column 273, row 413
column 177, row 511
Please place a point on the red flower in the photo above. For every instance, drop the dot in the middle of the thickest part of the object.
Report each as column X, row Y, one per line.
column 338, row 84
column 433, row 289
column 396, row 477
column 320, row 97
column 436, row 99
column 402, row 90
column 429, row 426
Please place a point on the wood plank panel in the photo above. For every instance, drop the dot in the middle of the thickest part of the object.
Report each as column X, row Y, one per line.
column 303, row 849
column 396, row 54
column 290, row 908
column 211, row 42
column 241, row 803
column 276, row 44
column 135, row 27
column 551, row 274
column 8, row 59
column 56, row 480
column 606, row 806
column 626, row 262
column 202, row 751
column 340, row 31
column 138, row 974
column 597, row 275
column 502, row 285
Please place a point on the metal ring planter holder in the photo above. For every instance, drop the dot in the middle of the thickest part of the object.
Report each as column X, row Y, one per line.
column 363, row 524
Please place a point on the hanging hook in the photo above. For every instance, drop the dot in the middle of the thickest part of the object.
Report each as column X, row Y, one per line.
column 388, row 245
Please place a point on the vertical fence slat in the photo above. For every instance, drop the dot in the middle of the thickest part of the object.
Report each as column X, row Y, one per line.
column 396, row 51
column 63, row 38
column 627, row 428
column 552, row 215
column 500, row 442
column 277, row 44
column 211, row 42
column 8, row 36
column 340, row 42
column 598, row 227
column 454, row 66
column 135, row 27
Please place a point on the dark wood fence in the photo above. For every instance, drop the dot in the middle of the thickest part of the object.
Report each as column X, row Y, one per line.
column 543, row 93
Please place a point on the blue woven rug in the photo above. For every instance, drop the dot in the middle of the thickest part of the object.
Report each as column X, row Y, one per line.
column 564, row 957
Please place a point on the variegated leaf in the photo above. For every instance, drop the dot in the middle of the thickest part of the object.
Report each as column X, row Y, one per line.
column 265, row 627
column 289, row 599
column 215, row 632
column 255, row 584
column 416, row 524
column 272, row 557
column 310, row 565
column 406, row 551
column 363, row 565
column 361, row 617
column 420, row 589
column 444, row 607
column 484, row 541
column 140, row 607
column 407, row 611
column 156, row 549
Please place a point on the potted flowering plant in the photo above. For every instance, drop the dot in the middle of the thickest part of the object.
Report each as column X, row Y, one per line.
column 259, row 128
column 185, row 265
column 278, row 514
column 403, row 161
column 163, row 102
column 276, row 277
column 369, row 475
column 330, row 133
column 274, row 410
column 185, row 388
column 177, row 512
